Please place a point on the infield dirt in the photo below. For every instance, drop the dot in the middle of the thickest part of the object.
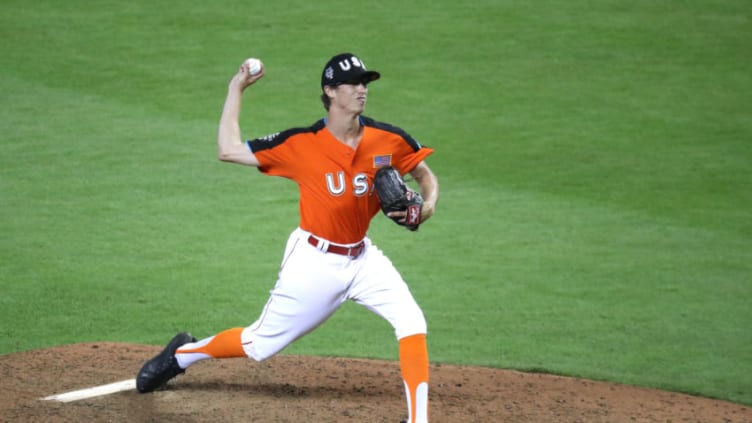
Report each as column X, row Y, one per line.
column 318, row 389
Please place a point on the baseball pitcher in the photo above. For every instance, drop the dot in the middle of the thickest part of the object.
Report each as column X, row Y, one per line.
column 347, row 167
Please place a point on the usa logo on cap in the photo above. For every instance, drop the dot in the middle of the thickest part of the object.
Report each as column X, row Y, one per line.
column 345, row 64
column 346, row 68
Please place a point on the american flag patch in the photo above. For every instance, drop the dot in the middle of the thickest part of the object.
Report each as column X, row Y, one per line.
column 381, row 161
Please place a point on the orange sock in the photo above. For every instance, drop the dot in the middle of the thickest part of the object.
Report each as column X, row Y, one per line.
column 414, row 365
column 226, row 344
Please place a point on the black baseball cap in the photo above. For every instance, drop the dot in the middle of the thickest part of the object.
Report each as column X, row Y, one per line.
column 346, row 67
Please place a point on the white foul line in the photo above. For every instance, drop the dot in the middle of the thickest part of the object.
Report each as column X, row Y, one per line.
column 123, row 385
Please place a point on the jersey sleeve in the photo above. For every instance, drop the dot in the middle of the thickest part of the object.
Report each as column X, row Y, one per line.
column 271, row 160
column 408, row 162
column 408, row 152
column 276, row 152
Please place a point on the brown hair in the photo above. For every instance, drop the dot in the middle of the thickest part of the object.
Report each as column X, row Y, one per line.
column 326, row 100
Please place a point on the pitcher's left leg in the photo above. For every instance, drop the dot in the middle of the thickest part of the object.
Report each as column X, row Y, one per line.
column 414, row 366
column 380, row 288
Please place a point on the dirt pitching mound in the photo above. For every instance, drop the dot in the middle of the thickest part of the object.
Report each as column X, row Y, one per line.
column 316, row 389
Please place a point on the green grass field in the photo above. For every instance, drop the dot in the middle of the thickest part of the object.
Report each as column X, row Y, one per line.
column 595, row 160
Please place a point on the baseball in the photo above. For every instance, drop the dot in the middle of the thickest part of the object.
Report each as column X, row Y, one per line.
column 254, row 66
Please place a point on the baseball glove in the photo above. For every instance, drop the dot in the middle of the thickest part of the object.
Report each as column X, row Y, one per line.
column 395, row 195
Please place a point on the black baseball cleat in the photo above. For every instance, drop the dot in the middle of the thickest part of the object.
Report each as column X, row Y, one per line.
column 163, row 367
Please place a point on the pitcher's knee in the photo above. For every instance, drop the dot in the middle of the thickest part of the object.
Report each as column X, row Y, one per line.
column 413, row 324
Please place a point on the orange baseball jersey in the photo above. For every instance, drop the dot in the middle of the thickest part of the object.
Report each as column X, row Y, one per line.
column 337, row 199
